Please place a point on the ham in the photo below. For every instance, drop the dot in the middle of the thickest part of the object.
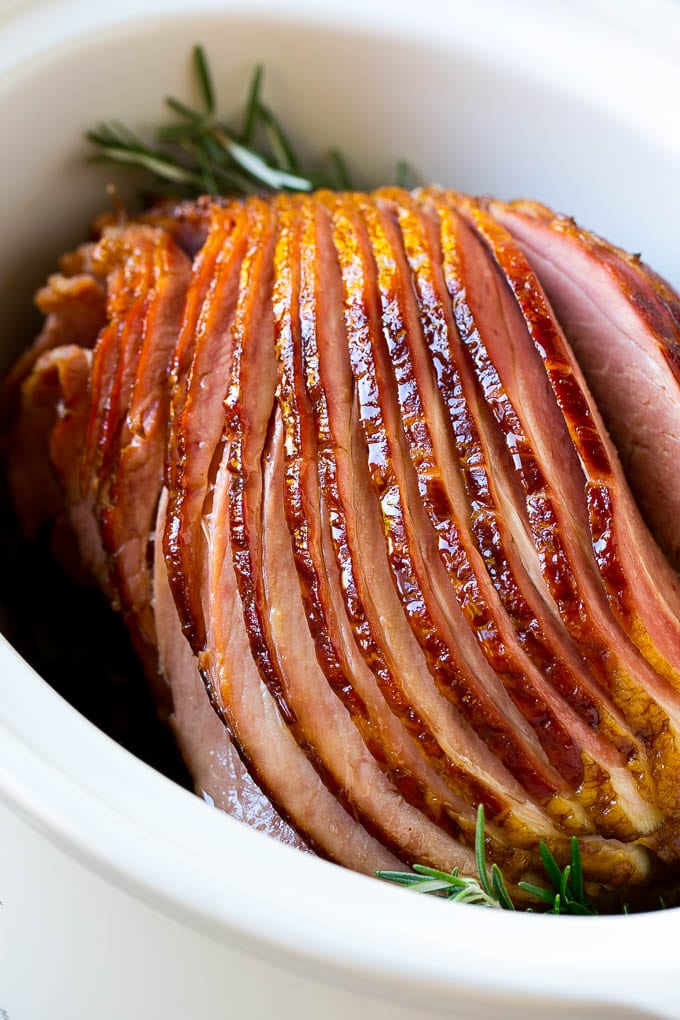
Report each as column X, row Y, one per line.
column 623, row 323
column 353, row 469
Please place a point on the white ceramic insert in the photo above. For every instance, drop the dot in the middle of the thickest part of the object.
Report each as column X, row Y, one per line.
column 123, row 895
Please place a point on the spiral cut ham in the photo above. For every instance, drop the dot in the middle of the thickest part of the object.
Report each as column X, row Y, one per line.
column 346, row 465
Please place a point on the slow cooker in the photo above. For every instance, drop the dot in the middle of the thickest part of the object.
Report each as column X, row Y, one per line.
column 123, row 895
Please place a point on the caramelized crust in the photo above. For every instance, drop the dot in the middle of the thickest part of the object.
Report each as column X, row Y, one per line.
column 335, row 461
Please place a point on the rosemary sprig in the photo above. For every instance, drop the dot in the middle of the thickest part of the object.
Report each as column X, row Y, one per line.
column 565, row 896
column 488, row 890
column 199, row 154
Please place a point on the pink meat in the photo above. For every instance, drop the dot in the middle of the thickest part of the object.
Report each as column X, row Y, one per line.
column 624, row 326
column 396, row 570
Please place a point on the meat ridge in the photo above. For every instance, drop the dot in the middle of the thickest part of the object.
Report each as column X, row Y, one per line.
column 329, row 387
column 44, row 460
column 579, row 597
column 623, row 323
column 348, row 767
column 307, row 517
column 636, row 279
column 211, row 253
column 264, row 741
column 131, row 249
column 189, row 220
column 250, row 408
column 200, row 375
column 55, row 372
column 36, row 490
column 73, row 302
column 104, row 366
column 36, row 483
column 77, row 521
column 231, row 674
column 356, row 527
column 218, row 773
column 459, row 668
column 264, row 566
column 642, row 589
column 496, row 496
column 372, row 602
column 448, row 506
column 123, row 257
column 136, row 470
column 424, row 424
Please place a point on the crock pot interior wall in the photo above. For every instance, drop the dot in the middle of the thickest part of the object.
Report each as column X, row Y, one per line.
column 464, row 122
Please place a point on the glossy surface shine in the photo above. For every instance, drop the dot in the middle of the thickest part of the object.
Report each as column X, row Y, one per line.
column 381, row 369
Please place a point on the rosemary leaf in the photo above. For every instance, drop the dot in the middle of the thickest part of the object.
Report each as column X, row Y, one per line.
column 581, row 909
column 576, row 871
column 254, row 163
column 164, row 169
column 551, row 866
column 403, row 175
column 400, row 877
column 538, row 891
column 176, row 134
column 447, row 876
column 252, row 106
column 210, row 184
column 432, row 885
column 177, row 106
column 499, row 888
column 204, row 80
column 115, row 134
column 281, row 147
column 480, row 852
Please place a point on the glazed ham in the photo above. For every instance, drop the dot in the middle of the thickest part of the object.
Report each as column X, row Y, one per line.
column 357, row 471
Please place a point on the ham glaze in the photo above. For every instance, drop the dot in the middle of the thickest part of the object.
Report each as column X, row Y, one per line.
column 385, row 488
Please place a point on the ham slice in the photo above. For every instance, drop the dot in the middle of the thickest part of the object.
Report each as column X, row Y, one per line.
column 623, row 323
column 219, row 775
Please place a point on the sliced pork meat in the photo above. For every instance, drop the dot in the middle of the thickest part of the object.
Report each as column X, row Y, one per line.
column 649, row 603
column 459, row 670
column 546, row 463
column 568, row 739
column 379, row 628
column 335, row 461
column 277, row 762
column 219, row 775
column 136, row 459
column 200, row 376
column 44, row 459
column 623, row 323
column 73, row 302
column 329, row 612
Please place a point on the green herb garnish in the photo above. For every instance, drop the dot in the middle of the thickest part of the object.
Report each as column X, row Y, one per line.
column 565, row 894
column 199, row 154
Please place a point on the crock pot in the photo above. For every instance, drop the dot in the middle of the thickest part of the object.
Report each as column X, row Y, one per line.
column 122, row 894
